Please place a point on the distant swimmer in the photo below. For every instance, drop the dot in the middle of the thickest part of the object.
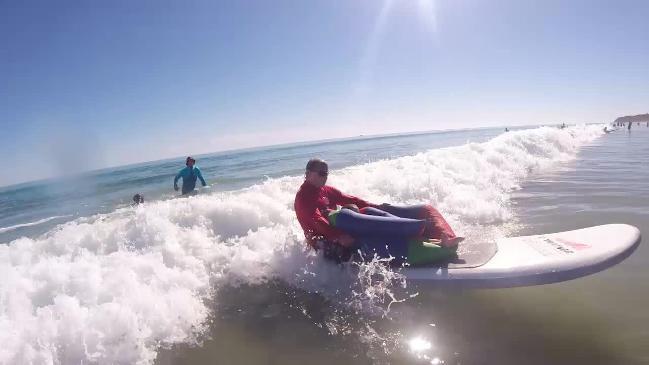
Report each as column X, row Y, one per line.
column 138, row 199
column 506, row 129
column 189, row 174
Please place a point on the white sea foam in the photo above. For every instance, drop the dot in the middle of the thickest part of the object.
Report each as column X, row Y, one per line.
column 30, row 224
column 114, row 288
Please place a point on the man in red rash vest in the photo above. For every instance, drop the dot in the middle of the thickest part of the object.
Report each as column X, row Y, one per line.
column 314, row 200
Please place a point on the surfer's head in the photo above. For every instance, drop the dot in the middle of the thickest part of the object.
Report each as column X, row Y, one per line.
column 138, row 198
column 190, row 161
column 317, row 172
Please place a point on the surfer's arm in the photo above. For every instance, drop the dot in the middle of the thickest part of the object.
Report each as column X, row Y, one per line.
column 340, row 198
column 322, row 227
column 315, row 222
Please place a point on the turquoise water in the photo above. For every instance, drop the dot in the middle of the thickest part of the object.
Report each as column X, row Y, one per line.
column 224, row 276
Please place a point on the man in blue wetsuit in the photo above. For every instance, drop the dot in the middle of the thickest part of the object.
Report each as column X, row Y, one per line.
column 189, row 175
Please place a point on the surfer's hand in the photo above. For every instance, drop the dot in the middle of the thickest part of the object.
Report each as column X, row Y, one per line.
column 345, row 240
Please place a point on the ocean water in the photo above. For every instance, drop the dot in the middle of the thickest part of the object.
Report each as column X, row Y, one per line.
column 35, row 208
column 224, row 276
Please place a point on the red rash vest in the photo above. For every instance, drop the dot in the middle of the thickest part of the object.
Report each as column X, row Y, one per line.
column 312, row 206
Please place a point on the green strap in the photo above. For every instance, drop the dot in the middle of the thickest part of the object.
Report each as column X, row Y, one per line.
column 428, row 253
column 332, row 217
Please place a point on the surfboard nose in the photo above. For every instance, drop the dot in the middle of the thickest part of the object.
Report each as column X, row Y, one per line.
column 618, row 232
column 541, row 259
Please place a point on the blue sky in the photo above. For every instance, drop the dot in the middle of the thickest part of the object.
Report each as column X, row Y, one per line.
column 90, row 84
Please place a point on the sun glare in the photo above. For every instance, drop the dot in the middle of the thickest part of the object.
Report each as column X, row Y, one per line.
column 428, row 14
column 419, row 344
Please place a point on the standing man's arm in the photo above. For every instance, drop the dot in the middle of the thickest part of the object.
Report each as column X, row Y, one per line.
column 178, row 176
column 200, row 176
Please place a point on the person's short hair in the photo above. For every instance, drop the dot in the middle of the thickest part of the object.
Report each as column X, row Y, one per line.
column 138, row 198
column 315, row 164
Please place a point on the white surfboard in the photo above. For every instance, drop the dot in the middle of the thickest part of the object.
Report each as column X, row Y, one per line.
column 536, row 260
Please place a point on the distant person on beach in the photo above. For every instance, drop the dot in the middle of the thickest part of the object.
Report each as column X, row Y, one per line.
column 630, row 124
column 189, row 174
column 314, row 202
